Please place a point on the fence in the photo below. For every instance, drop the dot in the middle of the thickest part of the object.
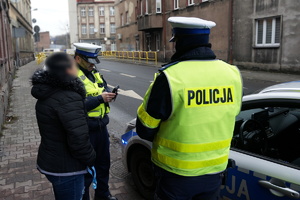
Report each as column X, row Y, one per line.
column 133, row 55
column 40, row 57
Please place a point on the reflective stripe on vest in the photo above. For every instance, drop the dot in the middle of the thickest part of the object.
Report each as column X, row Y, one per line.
column 192, row 148
column 206, row 97
column 146, row 119
column 93, row 89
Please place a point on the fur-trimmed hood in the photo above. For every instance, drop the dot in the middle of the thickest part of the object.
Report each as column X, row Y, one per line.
column 44, row 85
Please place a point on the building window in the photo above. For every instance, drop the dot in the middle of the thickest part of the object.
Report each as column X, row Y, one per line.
column 112, row 11
column 101, row 11
column 112, row 28
column 82, row 11
column 122, row 20
column 102, row 28
column 268, row 32
column 176, row 4
column 127, row 18
column 157, row 41
column 91, row 11
column 113, row 46
column 83, row 29
column 147, row 7
column 158, row 6
column 141, row 7
column 92, row 29
column 191, row 2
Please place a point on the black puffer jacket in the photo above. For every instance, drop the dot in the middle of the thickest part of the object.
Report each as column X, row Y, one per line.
column 62, row 120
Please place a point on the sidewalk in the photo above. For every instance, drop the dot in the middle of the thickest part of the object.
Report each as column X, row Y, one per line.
column 19, row 143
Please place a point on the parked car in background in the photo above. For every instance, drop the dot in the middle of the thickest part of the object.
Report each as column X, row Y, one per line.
column 48, row 52
column 265, row 147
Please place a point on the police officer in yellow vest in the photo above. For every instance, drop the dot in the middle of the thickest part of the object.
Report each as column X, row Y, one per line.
column 189, row 113
column 98, row 95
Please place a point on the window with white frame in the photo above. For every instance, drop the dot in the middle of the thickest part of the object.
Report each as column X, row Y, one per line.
column 268, row 32
column 142, row 9
column 176, row 4
column 92, row 29
column 82, row 11
column 127, row 18
column 101, row 11
column 122, row 19
column 147, row 7
column 191, row 2
column 91, row 11
column 111, row 11
column 113, row 46
column 102, row 28
column 83, row 29
column 158, row 6
column 112, row 28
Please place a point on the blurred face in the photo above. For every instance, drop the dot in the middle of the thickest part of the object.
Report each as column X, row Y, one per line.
column 73, row 70
column 84, row 64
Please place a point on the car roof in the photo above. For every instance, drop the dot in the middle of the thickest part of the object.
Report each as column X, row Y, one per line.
column 293, row 87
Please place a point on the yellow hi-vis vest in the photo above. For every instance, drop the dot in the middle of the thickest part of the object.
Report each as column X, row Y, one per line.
column 206, row 98
column 94, row 89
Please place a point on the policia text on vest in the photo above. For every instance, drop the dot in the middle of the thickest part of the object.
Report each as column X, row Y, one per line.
column 208, row 96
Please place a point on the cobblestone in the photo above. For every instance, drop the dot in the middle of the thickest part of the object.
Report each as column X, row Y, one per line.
column 19, row 178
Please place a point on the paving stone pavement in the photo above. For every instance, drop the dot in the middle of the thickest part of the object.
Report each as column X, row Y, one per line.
column 19, row 178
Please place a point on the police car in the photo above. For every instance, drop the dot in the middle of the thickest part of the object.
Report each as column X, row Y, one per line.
column 265, row 147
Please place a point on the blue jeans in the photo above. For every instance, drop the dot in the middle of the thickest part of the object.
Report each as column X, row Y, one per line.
column 172, row 186
column 67, row 187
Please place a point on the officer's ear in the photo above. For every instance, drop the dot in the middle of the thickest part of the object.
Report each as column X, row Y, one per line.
column 77, row 58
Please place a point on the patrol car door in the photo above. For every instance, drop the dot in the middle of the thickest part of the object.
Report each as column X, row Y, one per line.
column 266, row 150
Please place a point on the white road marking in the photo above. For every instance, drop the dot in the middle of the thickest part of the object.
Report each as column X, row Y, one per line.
column 128, row 75
column 106, row 70
column 128, row 93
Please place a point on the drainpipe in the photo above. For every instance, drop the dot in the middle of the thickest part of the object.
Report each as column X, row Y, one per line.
column 231, row 33
column 164, row 27
column 281, row 46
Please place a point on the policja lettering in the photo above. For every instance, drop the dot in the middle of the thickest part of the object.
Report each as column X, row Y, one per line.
column 208, row 96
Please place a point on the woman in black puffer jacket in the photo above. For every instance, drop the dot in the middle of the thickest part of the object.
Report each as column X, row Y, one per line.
column 65, row 151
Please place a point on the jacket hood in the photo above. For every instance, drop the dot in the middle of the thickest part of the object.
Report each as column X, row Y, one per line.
column 44, row 85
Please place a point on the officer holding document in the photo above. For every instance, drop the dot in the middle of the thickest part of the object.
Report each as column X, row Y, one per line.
column 98, row 96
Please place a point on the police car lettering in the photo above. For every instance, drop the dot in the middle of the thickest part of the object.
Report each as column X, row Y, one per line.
column 208, row 96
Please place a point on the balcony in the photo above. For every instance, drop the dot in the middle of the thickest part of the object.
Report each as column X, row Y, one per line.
column 146, row 22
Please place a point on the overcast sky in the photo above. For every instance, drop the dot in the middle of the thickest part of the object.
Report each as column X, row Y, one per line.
column 52, row 15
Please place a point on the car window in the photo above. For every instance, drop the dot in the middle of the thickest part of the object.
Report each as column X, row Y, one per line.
column 272, row 132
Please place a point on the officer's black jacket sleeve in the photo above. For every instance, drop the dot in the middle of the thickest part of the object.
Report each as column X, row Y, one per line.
column 159, row 106
column 93, row 102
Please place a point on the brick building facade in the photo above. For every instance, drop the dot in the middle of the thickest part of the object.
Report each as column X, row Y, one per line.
column 147, row 28
column 257, row 34
column 7, row 68
column 44, row 42
column 21, row 27
column 266, row 34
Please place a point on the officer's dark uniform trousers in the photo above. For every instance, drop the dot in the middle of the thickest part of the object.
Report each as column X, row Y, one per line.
column 100, row 140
